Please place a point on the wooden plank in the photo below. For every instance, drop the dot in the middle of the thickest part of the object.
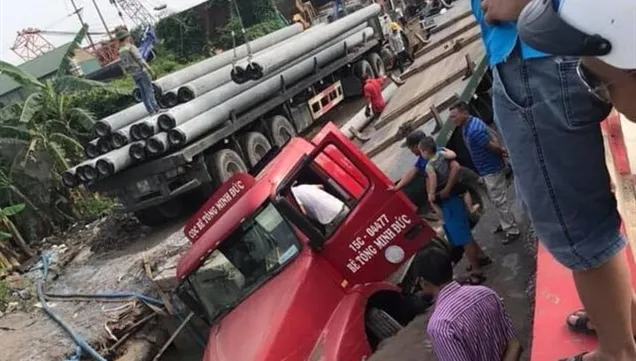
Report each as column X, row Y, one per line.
column 448, row 37
column 447, row 24
column 454, row 47
column 412, row 125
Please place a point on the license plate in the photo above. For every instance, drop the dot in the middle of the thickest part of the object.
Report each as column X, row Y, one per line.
column 143, row 186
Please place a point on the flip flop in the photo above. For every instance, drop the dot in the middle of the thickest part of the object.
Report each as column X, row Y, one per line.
column 582, row 323
column 575, row 358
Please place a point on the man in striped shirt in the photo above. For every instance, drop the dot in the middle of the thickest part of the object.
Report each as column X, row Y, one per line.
column 487, row 155
column 469, row 323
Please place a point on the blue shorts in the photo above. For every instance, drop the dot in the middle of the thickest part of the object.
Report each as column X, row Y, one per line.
column 551, row 126
column 456, row 225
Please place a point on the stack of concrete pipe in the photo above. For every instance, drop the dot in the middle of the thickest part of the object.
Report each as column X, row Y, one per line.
column 132, row 136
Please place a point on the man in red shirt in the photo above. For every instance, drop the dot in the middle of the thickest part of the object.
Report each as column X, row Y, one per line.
column 372, row 90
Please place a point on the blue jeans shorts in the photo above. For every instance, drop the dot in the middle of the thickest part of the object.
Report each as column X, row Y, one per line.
column 551, row 126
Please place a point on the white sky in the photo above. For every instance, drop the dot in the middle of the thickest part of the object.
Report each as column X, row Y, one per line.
column 16, row 15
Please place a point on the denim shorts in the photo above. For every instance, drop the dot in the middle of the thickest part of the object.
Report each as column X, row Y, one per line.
column 550, row 124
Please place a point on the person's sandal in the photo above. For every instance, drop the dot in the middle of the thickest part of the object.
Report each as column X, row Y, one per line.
column 582, row 323
column 575, row 358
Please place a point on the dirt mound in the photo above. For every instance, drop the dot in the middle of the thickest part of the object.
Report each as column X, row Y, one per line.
column 116, row 232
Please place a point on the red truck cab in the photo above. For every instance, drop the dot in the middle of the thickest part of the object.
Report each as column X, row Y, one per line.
column 273, row 285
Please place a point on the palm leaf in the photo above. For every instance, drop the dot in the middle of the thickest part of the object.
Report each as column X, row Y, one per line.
column 12, row 210
column 83, row 117
column 65, row 140
column 12, row 142
column 19, row 76
column 31, row 106
column 4, row 236
column 65, row 65
column 21, row 131
column 70, row 83
column 57, row 126
column 57, row 153
column 8, row 113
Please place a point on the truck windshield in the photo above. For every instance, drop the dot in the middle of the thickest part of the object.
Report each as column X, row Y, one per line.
column 244, row 261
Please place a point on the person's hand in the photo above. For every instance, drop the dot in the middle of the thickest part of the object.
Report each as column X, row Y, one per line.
column 431, row 197
column 153, row 74
column 502, row 10
column 392, row 188
column 445, row 193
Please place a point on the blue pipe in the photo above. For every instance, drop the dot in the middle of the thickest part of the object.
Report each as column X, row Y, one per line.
column 114, row 295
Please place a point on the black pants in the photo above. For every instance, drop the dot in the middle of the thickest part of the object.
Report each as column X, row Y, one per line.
column 401, row 59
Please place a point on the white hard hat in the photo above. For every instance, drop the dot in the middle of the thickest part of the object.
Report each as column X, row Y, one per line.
column 604, row 29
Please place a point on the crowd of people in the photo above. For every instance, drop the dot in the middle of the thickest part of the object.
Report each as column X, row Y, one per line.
column 552, row 87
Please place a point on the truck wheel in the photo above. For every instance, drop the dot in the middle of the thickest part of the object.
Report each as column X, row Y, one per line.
column 282, row 130
column 255, row 145
column 224, row 164
column 362, row 68
column 446, row 3
column 382, row 325
column 159, row 215
column 388, row 57
column 377, row 64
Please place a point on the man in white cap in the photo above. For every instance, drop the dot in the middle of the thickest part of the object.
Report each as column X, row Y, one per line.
column 550, row 123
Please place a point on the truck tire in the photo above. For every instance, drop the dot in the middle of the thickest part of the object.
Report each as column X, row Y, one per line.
column 282, row 130
column 362, row 68
column 223, row 164
column 381, row 325
column 160, row 214
column 255, row 145
column 388, row 57
column 377, row 64
column 447, row 3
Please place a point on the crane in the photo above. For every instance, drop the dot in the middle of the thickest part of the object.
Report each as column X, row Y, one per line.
column 135, row 11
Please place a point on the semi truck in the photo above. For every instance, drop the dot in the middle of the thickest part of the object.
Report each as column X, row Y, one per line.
column 273, row 284
column 162, row 188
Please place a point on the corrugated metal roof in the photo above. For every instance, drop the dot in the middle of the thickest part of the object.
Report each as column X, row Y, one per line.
column 39, row 67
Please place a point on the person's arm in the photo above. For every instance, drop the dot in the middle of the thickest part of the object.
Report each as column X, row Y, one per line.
column 502, row 10
column 140, row 60
column 431, row 183
column 452, row 179
column 447, row 344
column 406, row 179
column 513, row 350
column 447, row 153
column 480, row 135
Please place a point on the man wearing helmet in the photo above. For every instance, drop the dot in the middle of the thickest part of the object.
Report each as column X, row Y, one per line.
column 550, row 123
column 397, row 45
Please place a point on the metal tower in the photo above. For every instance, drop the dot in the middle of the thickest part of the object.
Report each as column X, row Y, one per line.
column 30, row 44
column 135, row 11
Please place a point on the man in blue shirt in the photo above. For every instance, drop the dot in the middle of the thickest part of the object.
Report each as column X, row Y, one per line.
column 550, row 125
column 487, row 156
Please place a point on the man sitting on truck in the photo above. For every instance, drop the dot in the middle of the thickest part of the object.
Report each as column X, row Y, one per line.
column 320, row 205
column 468, row 322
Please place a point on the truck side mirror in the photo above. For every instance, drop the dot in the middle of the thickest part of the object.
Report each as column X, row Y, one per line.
column 316, row 238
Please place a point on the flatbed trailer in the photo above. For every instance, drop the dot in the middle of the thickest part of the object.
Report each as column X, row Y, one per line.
column 156, row 190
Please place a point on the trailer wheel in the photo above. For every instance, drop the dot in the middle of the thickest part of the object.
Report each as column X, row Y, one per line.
column 224, row 164
column 282, row 130
column 388, row 57
column 377, row 64
column 255, row 145
column 362, row 68
column 382, row 325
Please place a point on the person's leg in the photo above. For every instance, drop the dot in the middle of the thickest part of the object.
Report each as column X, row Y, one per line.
column 498, row 194
column 399, row 63
column 551, row 127
column 143, row 81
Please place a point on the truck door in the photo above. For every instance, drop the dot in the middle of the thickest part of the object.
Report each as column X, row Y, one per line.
column 380, row 230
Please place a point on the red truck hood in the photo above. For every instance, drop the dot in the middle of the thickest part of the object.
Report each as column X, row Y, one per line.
column 280, row 320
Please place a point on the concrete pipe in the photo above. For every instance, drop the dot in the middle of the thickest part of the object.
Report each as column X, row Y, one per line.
column 115, row 161
column 271, row 61
column 127, row 134
column 70, row 179
column 158, row 144
column 103, row 145
column 208, row 120
column 170, row 98
column 119, row 120
column 87, row 172
column 215, row 79
column 184, row 112
column 206, row 66
column 91, row 150
column 360, row 120
column 137, row 151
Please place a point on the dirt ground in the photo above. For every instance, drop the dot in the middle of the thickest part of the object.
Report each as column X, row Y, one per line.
column 92, row 270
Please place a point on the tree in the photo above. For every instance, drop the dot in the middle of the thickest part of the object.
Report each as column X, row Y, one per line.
column 13, row 232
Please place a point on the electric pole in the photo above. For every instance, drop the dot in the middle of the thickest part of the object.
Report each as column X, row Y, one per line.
column 99, row 12
column 79, row 16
